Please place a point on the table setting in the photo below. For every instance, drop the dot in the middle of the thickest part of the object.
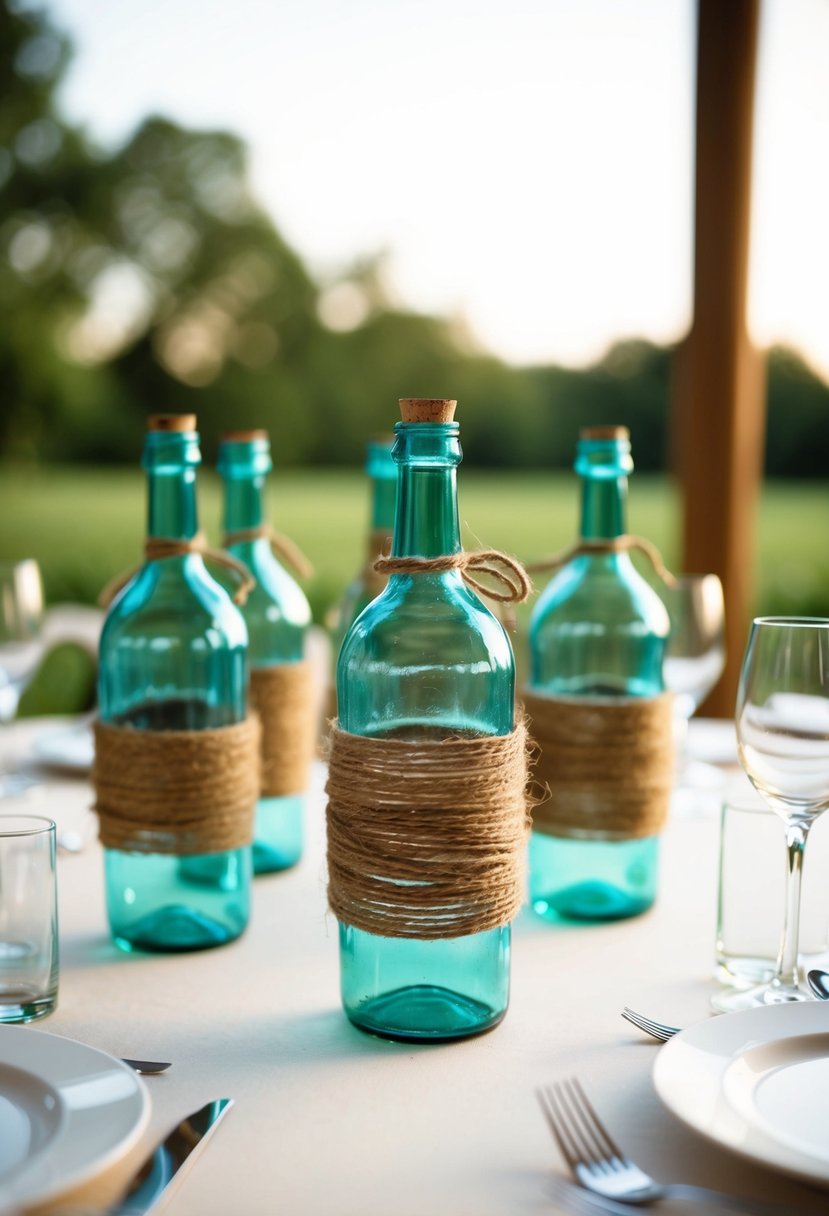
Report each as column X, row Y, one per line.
column 652, row 1043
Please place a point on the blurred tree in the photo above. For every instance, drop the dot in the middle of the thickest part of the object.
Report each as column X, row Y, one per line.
column 148, row 279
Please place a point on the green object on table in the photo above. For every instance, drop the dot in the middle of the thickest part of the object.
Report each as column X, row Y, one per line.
column 64, row 683
column 598, row 629
column 425, row 657
column 277, row 616
column 173, row 657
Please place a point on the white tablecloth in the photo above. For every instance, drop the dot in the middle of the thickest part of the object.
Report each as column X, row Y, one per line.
column 333, row 1122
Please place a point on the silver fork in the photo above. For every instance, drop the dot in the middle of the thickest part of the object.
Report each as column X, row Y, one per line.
column 658, row 1030
column 600, row 1165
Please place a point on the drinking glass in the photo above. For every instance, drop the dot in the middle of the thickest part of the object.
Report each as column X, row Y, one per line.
column 21, row 633
column 28, row 918
column 783, row 743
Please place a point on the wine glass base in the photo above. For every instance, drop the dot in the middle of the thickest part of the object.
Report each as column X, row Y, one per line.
column 753, row 998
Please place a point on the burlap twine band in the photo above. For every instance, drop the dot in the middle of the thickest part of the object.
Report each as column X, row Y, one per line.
column 508, row 573
column 598, row 547
column 283, row 698
column 176, row 791
column 426, row 837
column 285, row 549
column 158, row 547
column 607, row 763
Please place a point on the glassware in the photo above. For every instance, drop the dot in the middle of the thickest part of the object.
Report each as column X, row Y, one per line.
column 426, row 658
column 28, row 918
column 21, row 626
column 783, row 741
column 598, row 629
column 173, row 657
column 750, row 893
column 382, row 471
column 277, row 616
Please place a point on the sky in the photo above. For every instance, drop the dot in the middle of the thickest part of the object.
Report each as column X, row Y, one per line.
column 524, row 166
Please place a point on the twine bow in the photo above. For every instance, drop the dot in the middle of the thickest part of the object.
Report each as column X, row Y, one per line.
column 505, row 570
column 158, row 547
column 287, row 550
column 614, row 544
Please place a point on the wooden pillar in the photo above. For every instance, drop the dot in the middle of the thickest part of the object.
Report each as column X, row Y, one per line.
column 719, row 402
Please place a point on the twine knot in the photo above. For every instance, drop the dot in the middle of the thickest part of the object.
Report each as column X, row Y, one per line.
column 156, row 548
column 507, row 572
column 612, row 544
column 287, row 550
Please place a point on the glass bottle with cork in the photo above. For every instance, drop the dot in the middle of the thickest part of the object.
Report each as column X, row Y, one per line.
column 426, row 661
column 173, row 658
column 597, row 638
column 277, row 616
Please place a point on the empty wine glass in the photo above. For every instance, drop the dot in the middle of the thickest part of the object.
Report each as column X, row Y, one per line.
column 783, row 743
column 21, row 632
column 694, row 661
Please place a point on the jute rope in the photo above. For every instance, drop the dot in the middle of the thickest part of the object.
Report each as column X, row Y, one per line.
column 426, row 837
column 607, row 763
column 505, row 570
column 159, row 547
column 283, row 698
column 286, row 550
column 613, row 544
column 176, row 791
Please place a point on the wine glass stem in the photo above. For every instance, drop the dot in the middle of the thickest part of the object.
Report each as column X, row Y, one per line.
column 787, row 974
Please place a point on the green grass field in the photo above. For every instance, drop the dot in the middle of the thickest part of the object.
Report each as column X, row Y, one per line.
column 84, row 525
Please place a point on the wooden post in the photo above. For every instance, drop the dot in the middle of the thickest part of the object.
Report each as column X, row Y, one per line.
column 719, row 394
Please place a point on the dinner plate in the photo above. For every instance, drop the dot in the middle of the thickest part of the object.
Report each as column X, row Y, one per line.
column 71, row 748
column 756, row 1082
column 67, row 1111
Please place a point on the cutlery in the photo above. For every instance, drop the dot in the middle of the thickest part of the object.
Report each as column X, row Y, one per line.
column 819, row 983
column 148, row 1068
column 601, row 1166
column 165, row 1163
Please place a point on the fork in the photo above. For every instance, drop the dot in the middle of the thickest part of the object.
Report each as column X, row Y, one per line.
column 658, row 1030
column 600, row 1166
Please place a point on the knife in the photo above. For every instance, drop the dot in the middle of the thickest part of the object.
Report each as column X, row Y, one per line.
column 165, row 1163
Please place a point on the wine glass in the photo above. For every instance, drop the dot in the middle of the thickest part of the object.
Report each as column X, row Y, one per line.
column 783, row 743
column 21, row 632
column 694, row 661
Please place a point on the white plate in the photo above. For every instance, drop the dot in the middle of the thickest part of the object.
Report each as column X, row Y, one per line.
column 756, row 1082
column 72, row 748
column 67, row 1111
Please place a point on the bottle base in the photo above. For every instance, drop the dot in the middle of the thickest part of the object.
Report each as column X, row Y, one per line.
column 22, row 1006
column 277, row 842
column 424, row 1013
column 589, row 901
column 173, row 930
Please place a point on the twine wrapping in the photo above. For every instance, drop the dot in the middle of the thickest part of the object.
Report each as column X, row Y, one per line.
column 176, row 791
column 287, row 550
column 426, row 837
column 506, row 571
column 158, row 547
column 607, row 763
column 283, row 698
column 613, row 544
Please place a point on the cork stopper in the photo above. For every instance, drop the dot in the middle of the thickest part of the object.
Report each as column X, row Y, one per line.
column 426, row 409
column 171, row 422
column 243, row 436
column 604, row 432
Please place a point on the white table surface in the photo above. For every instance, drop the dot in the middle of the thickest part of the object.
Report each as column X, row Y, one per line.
column 333, row 1122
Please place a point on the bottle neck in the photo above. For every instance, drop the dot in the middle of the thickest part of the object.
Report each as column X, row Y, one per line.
column 426, row 516
column 383, row 496
column 172, row 504
column 244, row 503
column 603, row 507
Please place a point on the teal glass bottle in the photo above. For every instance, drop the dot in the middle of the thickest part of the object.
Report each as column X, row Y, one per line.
column 277, row 616
column 173, row 657
column 426, row 658
column 598, row 629
column 382, row 473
